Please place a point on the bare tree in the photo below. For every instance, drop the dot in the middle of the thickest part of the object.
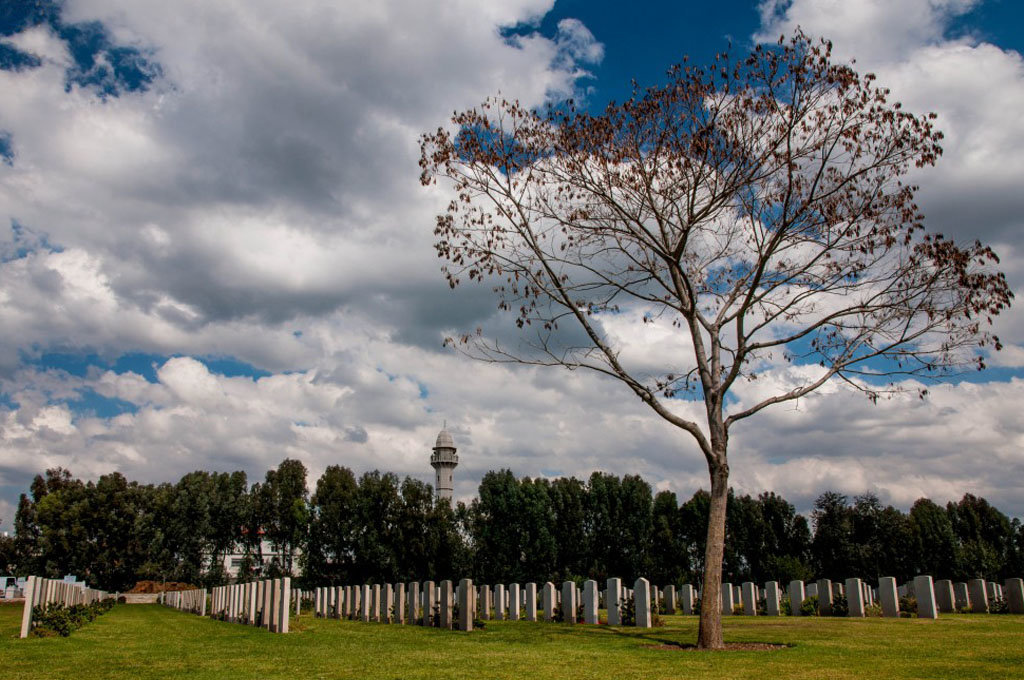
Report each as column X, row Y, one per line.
column 754, row 206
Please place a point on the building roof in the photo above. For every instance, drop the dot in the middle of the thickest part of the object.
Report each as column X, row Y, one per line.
column 444, row 440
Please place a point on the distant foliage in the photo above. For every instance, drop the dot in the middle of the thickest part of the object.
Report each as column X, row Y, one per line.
column 379, row 528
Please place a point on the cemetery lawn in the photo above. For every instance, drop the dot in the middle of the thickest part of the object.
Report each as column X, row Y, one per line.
column 149, row 641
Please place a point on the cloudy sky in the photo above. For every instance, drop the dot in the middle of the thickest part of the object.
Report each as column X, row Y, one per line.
column 215, row 253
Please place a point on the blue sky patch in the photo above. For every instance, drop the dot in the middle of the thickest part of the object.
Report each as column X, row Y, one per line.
column 91, row 403
column 104, row 67
column 24, row 240
column 99, row 64
column 13, row 59
column 6, row 148
column 140, row 363
column 6, row 402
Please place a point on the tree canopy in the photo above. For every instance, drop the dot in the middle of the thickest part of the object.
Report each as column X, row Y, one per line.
column 757, row 208
column 378, row 528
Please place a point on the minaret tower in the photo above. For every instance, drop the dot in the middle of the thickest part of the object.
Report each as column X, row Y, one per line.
column 444, row 460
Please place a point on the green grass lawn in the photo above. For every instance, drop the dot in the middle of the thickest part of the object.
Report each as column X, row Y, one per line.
column 149, row 641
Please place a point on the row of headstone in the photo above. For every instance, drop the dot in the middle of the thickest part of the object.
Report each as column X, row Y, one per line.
column 192, row 601
column 431, row 604
column 43, row 592
column 932, row 598
column 266, row 603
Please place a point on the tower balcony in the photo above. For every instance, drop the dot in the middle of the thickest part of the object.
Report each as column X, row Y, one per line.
column 444, row 458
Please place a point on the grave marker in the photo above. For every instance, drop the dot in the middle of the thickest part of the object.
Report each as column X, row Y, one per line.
column 642, row 603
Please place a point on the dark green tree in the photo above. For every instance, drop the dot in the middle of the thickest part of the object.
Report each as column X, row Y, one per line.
column 786, row 542
column 329, row 553
column 832, row 545
column 539, row 546
column 287, row 517
column 935, row 547
column 693, row 523
column 498, row 529
column 567, row 503
column 603, row 524
column 636, row 528
column 424, row 529
column 669, row 561
column 984, row 535
column 378, row 540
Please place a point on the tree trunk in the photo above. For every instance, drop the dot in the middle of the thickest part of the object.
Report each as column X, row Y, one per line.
column 709, row 635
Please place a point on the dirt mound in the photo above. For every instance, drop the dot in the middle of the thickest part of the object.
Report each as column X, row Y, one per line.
column 160, row 587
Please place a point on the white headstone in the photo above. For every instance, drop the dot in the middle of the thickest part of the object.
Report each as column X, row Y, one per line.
column 824, row 597
column 727, row 599
column 499, row 602
column 978, row 596
column 548, row 601
column 888, row 596
column 590, row 602
column 569, row 602
column 613, row 602
column 923, row 588
column 688, row 597
column 642, row 603
column 514, row 602
column 466, row 596
column 772, row 598
column 796, row 597
column 749, row 599
column 429, row 603
column 944, row 598
column 1014, row 591
column 855, row 597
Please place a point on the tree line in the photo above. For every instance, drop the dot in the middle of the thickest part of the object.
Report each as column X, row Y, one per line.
column 113, row 532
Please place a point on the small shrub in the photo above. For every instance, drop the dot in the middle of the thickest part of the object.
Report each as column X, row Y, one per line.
column 840, row 606
column 908, row 605
column 873, row 610
column 998, row 607
column 785, row 607
column 737, row 609
column 656, row 619
column 57, row 620
column 809, row 607
column 628, row 608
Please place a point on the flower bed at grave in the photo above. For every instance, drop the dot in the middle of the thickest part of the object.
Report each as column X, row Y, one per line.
column 58, row 620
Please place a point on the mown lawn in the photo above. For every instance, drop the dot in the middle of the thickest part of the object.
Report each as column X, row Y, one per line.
column 149, row 641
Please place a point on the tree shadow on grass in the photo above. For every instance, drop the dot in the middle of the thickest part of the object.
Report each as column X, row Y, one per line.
column 655, row 641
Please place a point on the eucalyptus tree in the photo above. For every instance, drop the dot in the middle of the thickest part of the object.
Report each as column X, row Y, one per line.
column 756, row 208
